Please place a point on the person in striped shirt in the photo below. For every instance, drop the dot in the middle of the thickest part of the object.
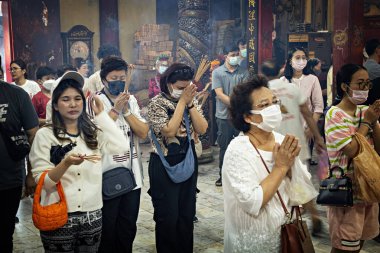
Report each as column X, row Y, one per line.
column 350, row 226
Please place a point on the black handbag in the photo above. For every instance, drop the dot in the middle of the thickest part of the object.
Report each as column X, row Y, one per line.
column 336, row 191
column 120, row 180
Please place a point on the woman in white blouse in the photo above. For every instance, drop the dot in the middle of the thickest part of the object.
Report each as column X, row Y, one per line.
column 80, row 177
column 253, row 212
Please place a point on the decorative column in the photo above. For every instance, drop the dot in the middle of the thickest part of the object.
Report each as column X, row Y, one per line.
column 109, row 22
column 259, row 32
column 348, row 34
column 192, row 44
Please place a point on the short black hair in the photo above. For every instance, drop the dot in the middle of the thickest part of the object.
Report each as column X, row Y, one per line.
column 64, row 68
column 371, row 45
column 112, row 63
column 241, row 101
column 311, row 63
column 241, row 41
column 270, row 68
column 108, row 50
column 44, row 71
column 79, row 62
column 230, row 48
column 175, row 72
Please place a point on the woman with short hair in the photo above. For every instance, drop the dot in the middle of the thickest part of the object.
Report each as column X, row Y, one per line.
column 174, row 203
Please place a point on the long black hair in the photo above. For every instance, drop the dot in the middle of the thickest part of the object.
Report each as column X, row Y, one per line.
column 86, row 127
column 344, row 75
column 175, row 72
column 288, row 72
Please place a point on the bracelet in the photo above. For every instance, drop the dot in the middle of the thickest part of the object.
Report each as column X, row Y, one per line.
column 127, row 114
column 115, row 111
column 368, row 125
column 191, row 106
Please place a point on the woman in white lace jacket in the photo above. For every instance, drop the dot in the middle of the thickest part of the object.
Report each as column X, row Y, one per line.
column 253, row 212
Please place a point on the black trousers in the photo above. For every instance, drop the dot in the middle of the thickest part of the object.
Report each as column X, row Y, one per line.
column 8, row 210
column 119, row 222
column 226, row 132
column 174, row 206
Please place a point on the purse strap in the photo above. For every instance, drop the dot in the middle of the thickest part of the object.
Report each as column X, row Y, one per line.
column 278, row 193
column 37, row 193
column 158, row 146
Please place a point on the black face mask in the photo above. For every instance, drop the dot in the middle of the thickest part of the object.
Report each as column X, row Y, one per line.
column 116, row 87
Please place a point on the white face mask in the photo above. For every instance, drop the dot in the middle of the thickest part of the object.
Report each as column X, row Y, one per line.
column 48, row 84
column 161, row 69
column 243, row 53
column 299, row 64
column 233, row 60
column 271, row 118
column 358, row 96
column 176, row 93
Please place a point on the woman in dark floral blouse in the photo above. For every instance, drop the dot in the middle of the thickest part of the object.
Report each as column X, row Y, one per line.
column 174, row 203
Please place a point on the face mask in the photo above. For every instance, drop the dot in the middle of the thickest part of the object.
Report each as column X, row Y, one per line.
column 358, row 96
column 116, row 87
column 233, row 60
column 299, row 64
column 176, row 93
column 48, row 84
column 243, row 53
column 162, row 69
column 317, row 72
column 271, row 118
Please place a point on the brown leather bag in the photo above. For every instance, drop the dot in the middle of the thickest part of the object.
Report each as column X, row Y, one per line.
column 51, row 217
column 367, row 171
column 295, row 236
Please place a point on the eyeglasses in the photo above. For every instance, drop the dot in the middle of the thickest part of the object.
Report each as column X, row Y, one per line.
column 364, row 84
column 13, row 69
column 263, row 105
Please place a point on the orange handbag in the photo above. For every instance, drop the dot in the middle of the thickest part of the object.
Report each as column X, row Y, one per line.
column 51, row 217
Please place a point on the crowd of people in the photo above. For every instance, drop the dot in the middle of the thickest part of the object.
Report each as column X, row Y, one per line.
column 78, row 129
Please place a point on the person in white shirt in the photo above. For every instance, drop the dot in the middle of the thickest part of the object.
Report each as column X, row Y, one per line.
column 18, row 71
column 294, row 110
column 94, row 82
column 80, row 176
column 256, row 166
column 120, row 213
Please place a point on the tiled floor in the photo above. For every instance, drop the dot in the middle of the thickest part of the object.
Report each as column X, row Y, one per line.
column 208, row 231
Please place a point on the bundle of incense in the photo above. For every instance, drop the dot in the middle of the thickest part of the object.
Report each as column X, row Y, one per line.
column 92, row 158
column 207, row 86
column 204, row 65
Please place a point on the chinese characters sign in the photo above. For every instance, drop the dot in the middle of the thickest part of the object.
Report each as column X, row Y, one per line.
column 252, row 35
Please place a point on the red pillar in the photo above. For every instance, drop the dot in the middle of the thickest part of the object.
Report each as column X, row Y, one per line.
column 348, row 34
column 265, row 30
column 109, row 22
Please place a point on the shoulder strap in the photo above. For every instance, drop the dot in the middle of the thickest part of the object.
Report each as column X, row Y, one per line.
column 158, row 146
column 266, row 167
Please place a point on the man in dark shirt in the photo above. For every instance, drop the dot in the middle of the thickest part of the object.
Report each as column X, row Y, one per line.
column 17, row 115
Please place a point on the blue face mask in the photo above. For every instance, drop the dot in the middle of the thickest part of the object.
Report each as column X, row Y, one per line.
column 116, row 87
